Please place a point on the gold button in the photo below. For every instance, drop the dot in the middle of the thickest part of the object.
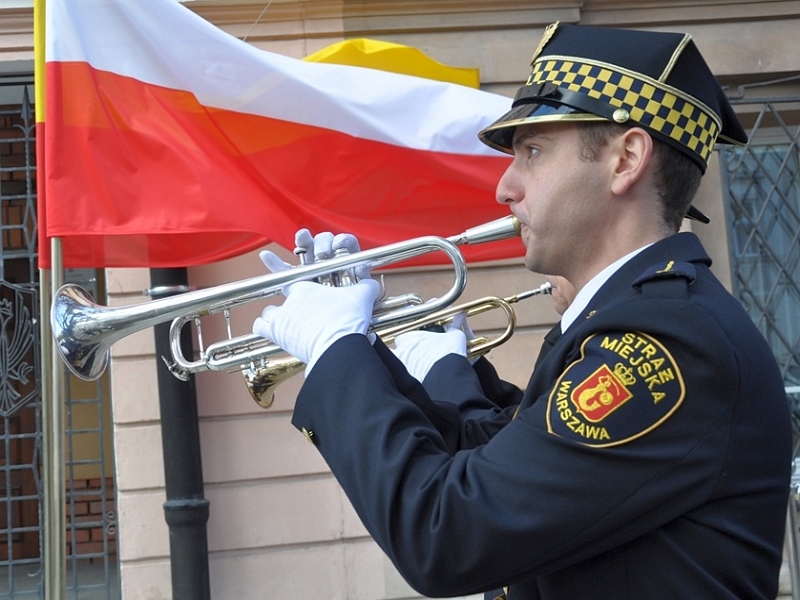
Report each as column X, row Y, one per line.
column 308, row 434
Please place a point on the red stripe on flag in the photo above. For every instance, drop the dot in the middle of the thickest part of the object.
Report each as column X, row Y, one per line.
column 162, row 181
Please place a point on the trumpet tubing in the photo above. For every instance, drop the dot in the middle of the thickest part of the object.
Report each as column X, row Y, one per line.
column 472, row 308
column 246, row 350
column 263, row 381
column 85, row 331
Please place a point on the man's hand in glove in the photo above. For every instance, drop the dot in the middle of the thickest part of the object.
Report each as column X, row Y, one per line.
column 314, row 249
column 420, row 350
column 315, row 316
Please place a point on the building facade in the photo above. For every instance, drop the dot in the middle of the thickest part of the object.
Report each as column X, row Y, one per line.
column 279, row 526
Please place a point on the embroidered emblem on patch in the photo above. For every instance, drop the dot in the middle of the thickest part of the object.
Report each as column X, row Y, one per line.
column 624, row 385
column 600, row 394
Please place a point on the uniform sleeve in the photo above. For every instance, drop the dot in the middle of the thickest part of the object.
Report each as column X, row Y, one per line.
column 452, row 399
column 474, row 388
column 499, row 391
column 615, row 451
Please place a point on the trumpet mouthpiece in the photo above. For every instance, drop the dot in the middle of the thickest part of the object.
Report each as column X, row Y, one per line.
column 545, row 288
column 493, row 231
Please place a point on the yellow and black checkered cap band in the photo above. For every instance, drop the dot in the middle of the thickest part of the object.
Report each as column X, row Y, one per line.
column 678, row 117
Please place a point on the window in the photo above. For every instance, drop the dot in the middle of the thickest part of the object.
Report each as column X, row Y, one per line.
column 763, row 203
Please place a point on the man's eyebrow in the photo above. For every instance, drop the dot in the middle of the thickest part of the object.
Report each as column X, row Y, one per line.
column 522, row 138
column 527, row 136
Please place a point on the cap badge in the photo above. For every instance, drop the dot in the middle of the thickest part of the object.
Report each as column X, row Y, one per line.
column 549, row 31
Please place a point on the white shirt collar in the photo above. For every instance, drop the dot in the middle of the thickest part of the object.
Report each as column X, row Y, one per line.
column 588, row 291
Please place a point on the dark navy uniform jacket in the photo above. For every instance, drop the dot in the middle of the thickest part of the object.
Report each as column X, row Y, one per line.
column 649, row 456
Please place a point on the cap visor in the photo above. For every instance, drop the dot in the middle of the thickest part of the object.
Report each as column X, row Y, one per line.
column 500, row 134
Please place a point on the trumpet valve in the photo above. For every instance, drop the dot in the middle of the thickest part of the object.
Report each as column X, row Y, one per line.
column 345, row 277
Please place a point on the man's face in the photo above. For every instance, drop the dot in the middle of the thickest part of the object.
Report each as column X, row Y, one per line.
column 558, row 196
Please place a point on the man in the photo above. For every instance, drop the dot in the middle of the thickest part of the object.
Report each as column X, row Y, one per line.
column 562, row 292
column 649, row 455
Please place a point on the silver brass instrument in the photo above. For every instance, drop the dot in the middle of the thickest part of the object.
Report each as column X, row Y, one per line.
column 262, row 381
column 85, row 331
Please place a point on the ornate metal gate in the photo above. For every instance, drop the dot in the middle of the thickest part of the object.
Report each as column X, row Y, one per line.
column 762, row 190
column 90, row 512
column 762, row 202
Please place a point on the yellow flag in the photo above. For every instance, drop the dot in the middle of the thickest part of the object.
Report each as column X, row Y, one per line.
column 396, row 58
column 38, row 51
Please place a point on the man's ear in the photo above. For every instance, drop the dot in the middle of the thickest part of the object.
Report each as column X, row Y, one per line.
column 633, row 152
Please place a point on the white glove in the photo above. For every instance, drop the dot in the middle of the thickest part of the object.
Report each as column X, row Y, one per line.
column 420, row 350
column 315, row 316
column 302, row 240
column 273, row 262
column 314, row 249
column 304, row 246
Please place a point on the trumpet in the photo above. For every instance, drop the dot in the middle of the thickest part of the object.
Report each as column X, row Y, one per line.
column 85, row 331
column 262, row 381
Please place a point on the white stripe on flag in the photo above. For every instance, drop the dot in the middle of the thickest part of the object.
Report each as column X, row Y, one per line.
column 177, row 49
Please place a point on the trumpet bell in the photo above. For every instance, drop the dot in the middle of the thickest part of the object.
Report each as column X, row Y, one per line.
column 84, row 347
column 262, row 382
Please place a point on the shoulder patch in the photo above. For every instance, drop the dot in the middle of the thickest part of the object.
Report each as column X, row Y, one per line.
column 624, row 385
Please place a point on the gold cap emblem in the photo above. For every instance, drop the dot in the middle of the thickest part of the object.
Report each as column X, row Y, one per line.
column 548, row 33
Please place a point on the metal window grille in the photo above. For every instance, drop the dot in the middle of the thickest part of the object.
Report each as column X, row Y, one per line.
column 90, row 512
column 762, row 190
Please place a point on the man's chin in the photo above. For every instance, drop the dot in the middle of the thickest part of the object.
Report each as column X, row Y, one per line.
column 533, row 264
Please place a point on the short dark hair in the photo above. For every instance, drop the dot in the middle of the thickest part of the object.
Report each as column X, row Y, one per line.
column 678, row 175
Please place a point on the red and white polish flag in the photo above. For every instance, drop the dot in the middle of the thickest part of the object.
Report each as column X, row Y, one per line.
column 169, row 142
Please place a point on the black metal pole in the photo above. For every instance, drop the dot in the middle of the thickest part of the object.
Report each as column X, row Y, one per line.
column 186, row 510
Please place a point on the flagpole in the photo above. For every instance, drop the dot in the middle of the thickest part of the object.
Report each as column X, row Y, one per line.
column 53, row 441
column 53, row 523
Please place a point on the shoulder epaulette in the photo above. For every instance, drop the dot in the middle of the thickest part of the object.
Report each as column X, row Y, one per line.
column 666, row 279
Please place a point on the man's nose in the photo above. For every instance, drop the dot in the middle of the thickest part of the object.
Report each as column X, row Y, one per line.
column 508, row 190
